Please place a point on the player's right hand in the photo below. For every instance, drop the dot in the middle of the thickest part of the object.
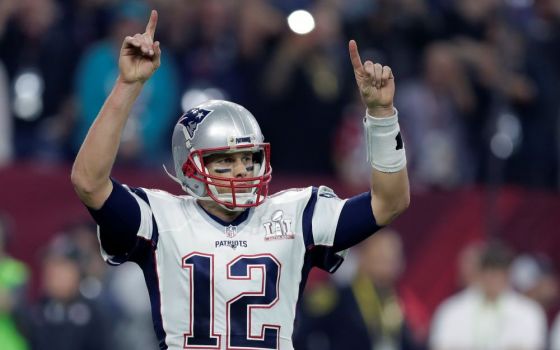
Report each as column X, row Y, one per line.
column 140, row 56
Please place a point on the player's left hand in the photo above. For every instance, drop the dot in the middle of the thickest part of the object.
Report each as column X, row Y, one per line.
column 375, row 82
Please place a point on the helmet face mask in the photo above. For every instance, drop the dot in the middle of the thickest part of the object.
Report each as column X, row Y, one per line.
column 232, row 192
column 221, row 128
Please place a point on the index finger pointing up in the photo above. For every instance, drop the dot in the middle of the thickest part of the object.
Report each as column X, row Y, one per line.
column 152, row 23
column 354, row 55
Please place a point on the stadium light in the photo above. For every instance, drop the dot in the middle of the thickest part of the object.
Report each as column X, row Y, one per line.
column 301, row 22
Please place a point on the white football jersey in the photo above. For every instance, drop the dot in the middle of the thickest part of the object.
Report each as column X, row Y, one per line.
column 231, row 286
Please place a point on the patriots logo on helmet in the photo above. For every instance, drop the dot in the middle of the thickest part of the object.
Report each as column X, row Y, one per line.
column 192, row 118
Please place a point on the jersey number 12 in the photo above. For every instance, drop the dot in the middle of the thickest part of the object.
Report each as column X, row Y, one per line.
column 238, row 309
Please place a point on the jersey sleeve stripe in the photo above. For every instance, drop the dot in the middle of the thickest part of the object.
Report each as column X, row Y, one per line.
column 319, row 243
column 148, row 264
column 141, row 193
column 307, row 220
column 144, row 196
column 327, row 213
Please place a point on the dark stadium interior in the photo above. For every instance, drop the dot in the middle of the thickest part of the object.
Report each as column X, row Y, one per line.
column 478, row 86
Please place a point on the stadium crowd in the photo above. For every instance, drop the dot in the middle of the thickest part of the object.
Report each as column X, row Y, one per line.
column 477, row 81
column 477, row 92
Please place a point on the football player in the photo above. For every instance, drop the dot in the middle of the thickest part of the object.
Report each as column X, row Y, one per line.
column 226, row 264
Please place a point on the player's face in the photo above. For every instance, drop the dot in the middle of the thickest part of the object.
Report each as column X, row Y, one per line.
column 61, row 278
column 493, row 281
column 233, row 165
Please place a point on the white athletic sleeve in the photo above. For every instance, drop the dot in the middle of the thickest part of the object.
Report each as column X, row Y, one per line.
column 325, row 216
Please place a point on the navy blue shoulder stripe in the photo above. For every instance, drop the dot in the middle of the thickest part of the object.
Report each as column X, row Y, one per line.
column 307, row 220
column 142, row 194
column 148, row 264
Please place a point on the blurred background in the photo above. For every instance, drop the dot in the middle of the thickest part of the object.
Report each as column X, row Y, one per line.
column 478, row 91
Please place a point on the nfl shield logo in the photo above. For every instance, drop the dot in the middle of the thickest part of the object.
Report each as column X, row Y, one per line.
column 230, row 231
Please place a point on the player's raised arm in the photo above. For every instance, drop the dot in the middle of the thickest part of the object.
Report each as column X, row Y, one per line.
column 385, row 149
column 139, row 58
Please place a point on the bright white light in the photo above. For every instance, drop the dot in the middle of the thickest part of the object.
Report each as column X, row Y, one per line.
column 193, row 97
column 27, row 108
column 28, row 90
column 28, row 85
column 301, row 22
column 501, row 145
column 215, row 93
column 510, row 125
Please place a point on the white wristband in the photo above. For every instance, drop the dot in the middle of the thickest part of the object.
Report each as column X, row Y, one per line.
column 385, row 148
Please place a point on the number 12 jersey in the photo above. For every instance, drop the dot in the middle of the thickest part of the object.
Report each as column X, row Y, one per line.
column 217, row 285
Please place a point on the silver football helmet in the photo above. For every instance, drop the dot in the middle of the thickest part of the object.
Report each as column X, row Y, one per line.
column 217, row 127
